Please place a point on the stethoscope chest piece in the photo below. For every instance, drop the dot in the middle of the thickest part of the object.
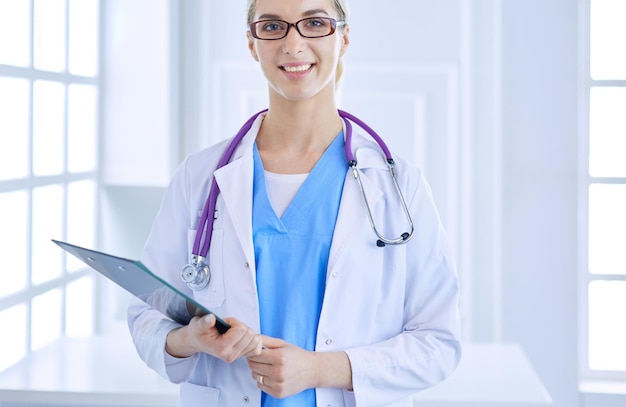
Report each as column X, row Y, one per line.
column 196, row 275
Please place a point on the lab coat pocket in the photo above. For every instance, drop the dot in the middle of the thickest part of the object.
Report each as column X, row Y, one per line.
column 192, row 395
column 212, row 296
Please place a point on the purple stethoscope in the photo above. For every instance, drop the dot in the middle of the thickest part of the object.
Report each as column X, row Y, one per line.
column 197, row 275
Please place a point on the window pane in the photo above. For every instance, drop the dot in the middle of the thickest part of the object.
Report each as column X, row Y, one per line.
column 607, row 325
column 14, row 345
column 81, row 218
column 49, row 37
column 15, row 32
column 82, row 110
column 13, row 242
column 607, row 229
column 14, row 119
column 608, row 59
column 607, row 132
column 79, row 311
column 46, row 318
column 48, row 127
column 83, row 37
column 47, row 224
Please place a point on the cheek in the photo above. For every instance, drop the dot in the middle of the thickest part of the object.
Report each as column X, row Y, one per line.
column 264, row 52
column 338, row 52
column 264, row 62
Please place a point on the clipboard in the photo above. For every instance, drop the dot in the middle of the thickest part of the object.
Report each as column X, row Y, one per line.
column 135, row 278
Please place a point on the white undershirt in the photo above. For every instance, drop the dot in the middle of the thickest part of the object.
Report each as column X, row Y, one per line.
column 281, row 189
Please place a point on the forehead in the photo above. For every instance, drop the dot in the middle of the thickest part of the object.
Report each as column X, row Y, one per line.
column 294, row 8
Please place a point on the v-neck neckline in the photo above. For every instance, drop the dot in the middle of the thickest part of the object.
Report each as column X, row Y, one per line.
column 304, row 201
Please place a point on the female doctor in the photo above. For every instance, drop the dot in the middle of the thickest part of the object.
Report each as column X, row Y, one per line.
column 319, row 313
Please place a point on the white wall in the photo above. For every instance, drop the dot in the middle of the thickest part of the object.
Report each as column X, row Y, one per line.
column 137, row 116
column 138, row 148
column 539, row 179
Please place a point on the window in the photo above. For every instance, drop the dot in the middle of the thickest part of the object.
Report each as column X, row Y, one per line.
column 48, row 169
column 603, row 192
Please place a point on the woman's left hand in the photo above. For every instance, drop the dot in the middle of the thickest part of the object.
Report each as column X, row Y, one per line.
column 283, row 369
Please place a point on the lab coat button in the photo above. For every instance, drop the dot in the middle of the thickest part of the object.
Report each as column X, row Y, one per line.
column 246, row 265
column 335, row 274
column 329, row 341
column 246, row 399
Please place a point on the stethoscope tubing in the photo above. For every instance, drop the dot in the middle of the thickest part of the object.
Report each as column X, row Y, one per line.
column 206, row 221
column 352, row 162
column 368, row 129
column 205, row 226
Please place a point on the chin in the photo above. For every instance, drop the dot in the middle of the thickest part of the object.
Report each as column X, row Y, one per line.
column 297, row 95
column 302, row 94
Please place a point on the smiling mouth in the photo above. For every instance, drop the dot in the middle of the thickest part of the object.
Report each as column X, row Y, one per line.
column 298, row 68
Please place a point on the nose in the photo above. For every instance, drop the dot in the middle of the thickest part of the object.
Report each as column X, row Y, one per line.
column 294, row 43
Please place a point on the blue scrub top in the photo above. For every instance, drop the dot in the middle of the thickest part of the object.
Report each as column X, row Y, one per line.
column 291, row 255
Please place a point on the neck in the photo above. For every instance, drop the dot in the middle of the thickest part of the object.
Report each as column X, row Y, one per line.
column 294, row 135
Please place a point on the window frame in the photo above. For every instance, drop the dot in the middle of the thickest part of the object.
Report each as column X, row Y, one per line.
column 31, row 181
column 585, row 180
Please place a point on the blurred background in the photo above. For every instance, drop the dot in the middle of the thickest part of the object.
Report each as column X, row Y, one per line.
column 514, row 109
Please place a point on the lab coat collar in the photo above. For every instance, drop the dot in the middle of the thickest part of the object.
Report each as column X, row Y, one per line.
column 245, row 146
column 235, row 181
column 366, row 150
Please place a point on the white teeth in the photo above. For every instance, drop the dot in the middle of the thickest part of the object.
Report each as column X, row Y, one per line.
column 299, row 68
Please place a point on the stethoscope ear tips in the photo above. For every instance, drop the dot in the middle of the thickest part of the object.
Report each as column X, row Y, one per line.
column 380, row 243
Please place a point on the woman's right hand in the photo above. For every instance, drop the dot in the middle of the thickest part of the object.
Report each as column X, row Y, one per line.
column 200, row 335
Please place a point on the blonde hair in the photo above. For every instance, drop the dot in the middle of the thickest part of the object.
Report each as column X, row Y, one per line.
column 341, row 7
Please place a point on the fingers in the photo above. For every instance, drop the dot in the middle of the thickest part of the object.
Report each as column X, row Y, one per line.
column 271, row 342
column 238, row 341
column 283, row 369
column 249, row 344
column 262, row 382
column 258, row 348
column 267, row 342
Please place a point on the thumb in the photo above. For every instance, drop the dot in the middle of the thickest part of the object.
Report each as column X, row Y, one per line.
column 209, row 320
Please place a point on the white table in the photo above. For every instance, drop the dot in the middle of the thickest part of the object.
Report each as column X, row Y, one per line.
column 98, row 371
column 489, row 375
column 106, row 371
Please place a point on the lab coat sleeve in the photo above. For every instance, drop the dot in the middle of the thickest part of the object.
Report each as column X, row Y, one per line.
column 428, row 348
column 149, row 331
column 165, row 252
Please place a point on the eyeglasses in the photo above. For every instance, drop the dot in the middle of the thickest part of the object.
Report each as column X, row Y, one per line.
column 312, row 27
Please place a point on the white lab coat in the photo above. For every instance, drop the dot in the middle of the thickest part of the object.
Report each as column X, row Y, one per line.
column 393, row 310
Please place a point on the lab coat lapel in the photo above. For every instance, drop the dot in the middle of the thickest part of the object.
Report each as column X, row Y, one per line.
column 352, row 210
column 235, row 181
